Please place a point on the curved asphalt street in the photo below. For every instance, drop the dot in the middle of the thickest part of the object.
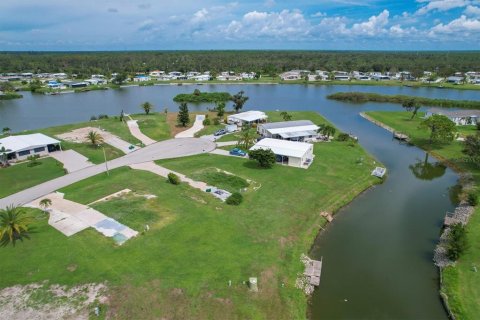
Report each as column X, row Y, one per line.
column 173, row 148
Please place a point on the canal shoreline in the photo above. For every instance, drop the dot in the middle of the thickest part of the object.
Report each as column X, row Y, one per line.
column 463, row 180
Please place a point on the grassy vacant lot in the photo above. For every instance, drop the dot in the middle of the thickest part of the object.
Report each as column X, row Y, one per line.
column 19, row 177
column 461, row 283
column 154, row 125
column 181, row 267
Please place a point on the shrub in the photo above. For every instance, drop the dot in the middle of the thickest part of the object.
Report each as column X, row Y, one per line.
column 173, row 178
column 478, row 125
column 472, row 199
column 235, row 199
column 216, row 121
column 102, row 116
column 265, row 157
column 457, row 241
column 93, row 118
column 206, row 122
column 343, row 137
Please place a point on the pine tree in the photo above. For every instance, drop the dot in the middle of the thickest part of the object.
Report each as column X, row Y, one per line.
column 183, row 117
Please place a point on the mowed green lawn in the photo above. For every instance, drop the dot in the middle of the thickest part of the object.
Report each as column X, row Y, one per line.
column 196, row 244
column 153, row 125
column 461, row 283
column 20, row 176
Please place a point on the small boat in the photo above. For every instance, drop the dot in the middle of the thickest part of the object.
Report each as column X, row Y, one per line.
column 379, row 172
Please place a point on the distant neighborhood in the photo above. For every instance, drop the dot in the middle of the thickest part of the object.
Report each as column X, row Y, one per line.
column 63, row 81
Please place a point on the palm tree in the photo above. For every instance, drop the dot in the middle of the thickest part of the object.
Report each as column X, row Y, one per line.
column 247, row 138
column 147, row 107
column 4, row 156
column 14, row 225
column 327, row 131
column 45, row 203
column 6, row 130
column 94, row 137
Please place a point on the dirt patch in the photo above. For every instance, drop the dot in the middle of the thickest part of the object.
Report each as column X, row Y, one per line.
column 42, row 301
column 72, row 267
column 172, row 123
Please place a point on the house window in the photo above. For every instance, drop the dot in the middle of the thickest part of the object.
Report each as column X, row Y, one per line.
column 37, row 150
column 23, row 153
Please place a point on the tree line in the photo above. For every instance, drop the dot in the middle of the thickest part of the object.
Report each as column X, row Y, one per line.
column 263, row 62
column 411, row 101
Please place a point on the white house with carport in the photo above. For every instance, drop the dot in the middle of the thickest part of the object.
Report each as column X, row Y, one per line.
column 247, row 117
column 299, row 130
column 460, row 117
column 22, row 146
column 291, row 153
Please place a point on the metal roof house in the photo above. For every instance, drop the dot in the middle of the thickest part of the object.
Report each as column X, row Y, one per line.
column 289, row 130
column 460, row 117
column 291, row 153
column 247, row 117
column 22, row 146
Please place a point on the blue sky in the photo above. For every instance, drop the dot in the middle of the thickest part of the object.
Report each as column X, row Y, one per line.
column 214, row 24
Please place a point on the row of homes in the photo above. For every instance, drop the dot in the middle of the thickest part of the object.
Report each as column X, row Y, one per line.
column 286, row 139
column 321, row 75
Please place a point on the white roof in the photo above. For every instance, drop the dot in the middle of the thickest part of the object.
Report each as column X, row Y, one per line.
column 312, row 127
column 284, row 147
column 26, row 142
column 249, row 116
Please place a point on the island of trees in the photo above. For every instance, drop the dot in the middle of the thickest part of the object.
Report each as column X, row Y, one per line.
column 197, row 97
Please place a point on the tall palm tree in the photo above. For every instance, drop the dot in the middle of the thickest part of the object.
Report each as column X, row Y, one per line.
column 45, row 203
column 94, row 137
column 247, row 138
column 147, row 107
column 4, row 155
column 14, row 225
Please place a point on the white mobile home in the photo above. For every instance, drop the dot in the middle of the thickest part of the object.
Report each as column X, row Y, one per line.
column 23, row 146
column 247, row 117
column 289, row 130
column 294, row 154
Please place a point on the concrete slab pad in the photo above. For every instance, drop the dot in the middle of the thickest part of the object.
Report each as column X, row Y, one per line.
column 72, row 160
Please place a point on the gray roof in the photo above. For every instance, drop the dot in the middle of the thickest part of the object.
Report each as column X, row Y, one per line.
column 456, row 113
column 287, row 124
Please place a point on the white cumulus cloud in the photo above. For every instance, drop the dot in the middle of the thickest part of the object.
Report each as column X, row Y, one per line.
column 373, row 26
column 462, row 26
column 441, row 5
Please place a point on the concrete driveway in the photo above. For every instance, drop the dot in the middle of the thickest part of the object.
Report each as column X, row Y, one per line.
column 72, row 160
column 172, row 148
column 197, row 126
column 137, row 133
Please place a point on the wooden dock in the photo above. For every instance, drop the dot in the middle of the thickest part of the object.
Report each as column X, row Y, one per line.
column 313, row 271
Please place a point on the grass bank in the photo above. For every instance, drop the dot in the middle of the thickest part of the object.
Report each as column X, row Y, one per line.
column 20, row 176
column 198, row 97
column 461, row 284
column 362, row 97
column 196, row 244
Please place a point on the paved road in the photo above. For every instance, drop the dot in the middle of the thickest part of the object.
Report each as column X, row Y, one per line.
column 172, row 148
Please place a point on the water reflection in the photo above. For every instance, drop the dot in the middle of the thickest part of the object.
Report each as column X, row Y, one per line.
column 425, row 170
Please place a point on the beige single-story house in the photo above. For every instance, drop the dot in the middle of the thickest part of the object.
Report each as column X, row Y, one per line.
column 291, row 153
column 298, row 130
column 247, row 117
column 22, row 146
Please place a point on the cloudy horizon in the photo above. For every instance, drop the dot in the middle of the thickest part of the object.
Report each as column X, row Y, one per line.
column 54, row 25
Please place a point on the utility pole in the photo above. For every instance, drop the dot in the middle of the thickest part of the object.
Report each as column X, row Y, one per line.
column 106, row 162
